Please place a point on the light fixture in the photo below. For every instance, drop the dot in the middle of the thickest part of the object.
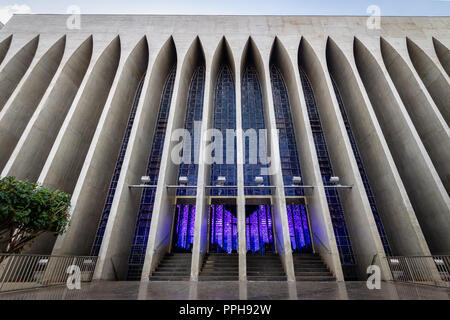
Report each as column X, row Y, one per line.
column 259, row 180
column 335, row 180
column 221, row 180
column 183, row 180
column 297, row 181
column 145, row 179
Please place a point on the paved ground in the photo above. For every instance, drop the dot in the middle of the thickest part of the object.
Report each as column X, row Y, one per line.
column 233, row 291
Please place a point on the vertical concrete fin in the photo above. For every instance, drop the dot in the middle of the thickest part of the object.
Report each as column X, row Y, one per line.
column 68, row 153
column 20, row 108
column 4, row 47
column 96, row 176
column 443, row 54
column 36, row 142
column 359, row 220
column 434, row 80
column 399, row 220
column 15, row 69
column 430, row 126
column 425, row 189
column 118, row 236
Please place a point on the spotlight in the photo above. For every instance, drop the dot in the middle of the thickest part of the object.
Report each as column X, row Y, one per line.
column 297, row 181
column 145, row 179
column 183, row 181
column 335, row 180
column 221, row 181
column 259, row 180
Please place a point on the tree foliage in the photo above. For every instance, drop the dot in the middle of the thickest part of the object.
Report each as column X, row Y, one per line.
column 27, row 210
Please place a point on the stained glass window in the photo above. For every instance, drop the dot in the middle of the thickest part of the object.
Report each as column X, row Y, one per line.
column 334, row 203
column 139, row 246
column 362, row 171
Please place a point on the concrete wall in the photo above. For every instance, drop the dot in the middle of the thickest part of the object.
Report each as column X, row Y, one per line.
column 4, row 47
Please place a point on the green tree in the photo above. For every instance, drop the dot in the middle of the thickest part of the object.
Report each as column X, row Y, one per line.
column 27, row 210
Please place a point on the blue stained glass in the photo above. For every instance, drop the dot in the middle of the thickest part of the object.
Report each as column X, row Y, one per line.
column 259, row 230
column 253, row 118
column 185, row 228
column 290, row 163
column 223, row 224
column 363, row 173
column 115, row 178
column 334, row 203
column 299, row 229
column 225, row 118
column 139, row 246
column 194, row 114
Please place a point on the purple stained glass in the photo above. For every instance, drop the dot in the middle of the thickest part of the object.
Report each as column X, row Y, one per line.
column 185, row 228
column 223, row 229
column 259, row 231
column 299, row 228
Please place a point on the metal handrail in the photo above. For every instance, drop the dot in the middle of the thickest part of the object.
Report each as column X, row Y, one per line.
column 428, row 270
column 28, row 271
column 321, row 243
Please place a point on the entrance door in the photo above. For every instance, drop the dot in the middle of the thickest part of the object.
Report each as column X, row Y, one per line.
column 184, row 227
column 223, row 237
column 299, row 228
column 259, row 229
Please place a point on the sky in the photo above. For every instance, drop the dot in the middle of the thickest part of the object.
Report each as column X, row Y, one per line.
column 227, row 7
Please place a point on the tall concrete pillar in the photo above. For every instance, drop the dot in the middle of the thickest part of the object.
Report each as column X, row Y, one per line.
column 95, row 177
column 34, row 145
column 425, row 189
column 4, row 47
column 15, row 64
column 424, row 113
column 396, row 211
column 443, row 54
column 364, row 236
column 118, row 237
column 190, row 55
column 19, row 109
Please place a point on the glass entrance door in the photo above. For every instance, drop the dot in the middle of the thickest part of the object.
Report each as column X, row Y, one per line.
column 259, row 229
column 299, row 229
column 223, row 235
column 184, row 227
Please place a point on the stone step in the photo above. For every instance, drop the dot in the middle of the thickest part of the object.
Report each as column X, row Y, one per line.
column 264, row 278
column 218, row 278
column 315, row 278
column 313, row 274
column 311, row 269
column 172, row 278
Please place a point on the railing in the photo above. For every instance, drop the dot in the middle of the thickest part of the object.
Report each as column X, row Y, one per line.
column 321, row 243
column 429, row 270
column 26, row 271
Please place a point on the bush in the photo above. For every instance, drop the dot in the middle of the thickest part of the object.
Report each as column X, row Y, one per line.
column 27, row 210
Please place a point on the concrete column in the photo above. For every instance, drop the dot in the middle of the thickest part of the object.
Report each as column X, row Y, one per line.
column 238, row 49
column 400, row 223
column 430, row 125
column 118, row 237
column 433, row 76
column 4, row 47
column 34, row 145
column 322, row 234
column 22, row 104
column 94, row 181
column 365, row 240
column 15, row 64
column 443, row 54
column 69, row 150
column 189, row 55
column 202, row 205
column 425, row 189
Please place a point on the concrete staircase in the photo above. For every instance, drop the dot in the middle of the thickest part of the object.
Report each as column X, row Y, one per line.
column 310, row 267
column 174, row 267
column 220, row 267
column 265, row 267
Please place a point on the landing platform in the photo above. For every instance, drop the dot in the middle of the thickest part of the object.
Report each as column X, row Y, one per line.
column 233, row 291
